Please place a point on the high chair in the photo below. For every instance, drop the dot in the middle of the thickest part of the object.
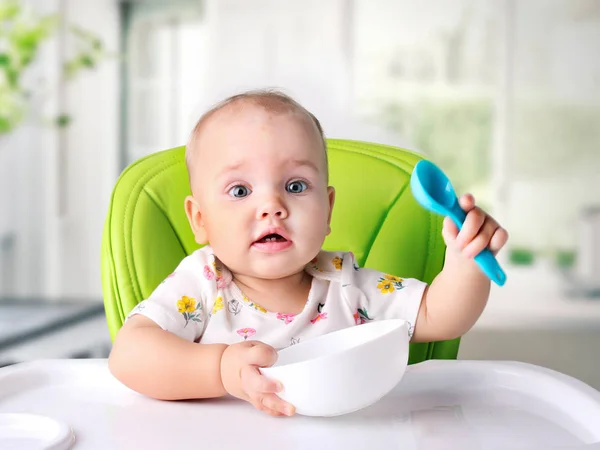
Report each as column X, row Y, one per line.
column 437, row 404
column 147, row 234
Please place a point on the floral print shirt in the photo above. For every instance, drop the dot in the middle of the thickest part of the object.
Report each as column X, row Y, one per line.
column 199, row 302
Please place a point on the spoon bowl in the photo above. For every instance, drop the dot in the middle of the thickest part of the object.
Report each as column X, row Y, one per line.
column 434, row 192
column 432, row 188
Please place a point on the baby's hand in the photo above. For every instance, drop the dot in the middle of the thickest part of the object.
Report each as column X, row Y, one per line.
column 479, row 231
column 241, row 377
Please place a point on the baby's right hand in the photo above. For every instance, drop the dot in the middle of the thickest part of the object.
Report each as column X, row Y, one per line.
column 241, row 377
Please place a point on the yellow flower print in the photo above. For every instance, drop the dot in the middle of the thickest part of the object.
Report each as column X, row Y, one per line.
column 257, row 307
column 337, row 262
column 216, row 269
column 389, row 283
column 385, row 287
column 254, row 305
column 190, row 309
column 393, row 278
column 186, row 304
column 218, row 305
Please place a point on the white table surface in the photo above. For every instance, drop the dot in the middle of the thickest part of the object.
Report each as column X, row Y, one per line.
column 437, row 405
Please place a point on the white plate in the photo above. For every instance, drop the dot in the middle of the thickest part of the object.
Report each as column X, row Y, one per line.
column 32, row 431
column 445, row 405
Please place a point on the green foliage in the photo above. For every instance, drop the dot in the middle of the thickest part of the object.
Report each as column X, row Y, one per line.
column 22, row 33
column 565, row 259
column 63, row 120
column 521, row 256
column 90, row 54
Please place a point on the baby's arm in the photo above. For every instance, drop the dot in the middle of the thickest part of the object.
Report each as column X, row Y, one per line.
column 458, row 295
column 452, row 304
column 156, row 351
column 161, row 365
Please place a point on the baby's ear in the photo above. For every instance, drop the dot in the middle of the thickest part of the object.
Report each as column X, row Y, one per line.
column 331, row 195
column 192, row 211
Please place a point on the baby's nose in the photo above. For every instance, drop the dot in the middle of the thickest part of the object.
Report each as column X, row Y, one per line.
column 274, row 207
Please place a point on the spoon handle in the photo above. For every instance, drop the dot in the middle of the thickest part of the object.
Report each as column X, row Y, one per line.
column 486, row 261
column 489, row 265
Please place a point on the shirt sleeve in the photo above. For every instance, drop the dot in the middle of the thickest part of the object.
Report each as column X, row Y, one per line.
column 178, row 304
column 375, row 295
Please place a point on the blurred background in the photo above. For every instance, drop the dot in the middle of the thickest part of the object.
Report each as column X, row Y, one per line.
column 504, row 95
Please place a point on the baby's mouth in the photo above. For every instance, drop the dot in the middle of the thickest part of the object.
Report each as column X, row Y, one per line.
column 271, row 238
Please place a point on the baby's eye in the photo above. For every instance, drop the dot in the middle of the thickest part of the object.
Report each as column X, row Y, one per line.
column 239, row 191
column 296, row 187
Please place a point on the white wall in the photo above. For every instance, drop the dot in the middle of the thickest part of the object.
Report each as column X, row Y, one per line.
column 20, row 192
column 25, row 163
column 91, row 145
column 58, row 249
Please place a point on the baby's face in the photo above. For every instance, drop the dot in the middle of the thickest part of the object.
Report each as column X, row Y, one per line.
column 261, row 189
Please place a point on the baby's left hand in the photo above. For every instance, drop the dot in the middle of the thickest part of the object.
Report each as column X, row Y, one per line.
column 479, row 231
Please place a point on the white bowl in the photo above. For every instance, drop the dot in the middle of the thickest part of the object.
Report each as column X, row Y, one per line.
column 343, row 371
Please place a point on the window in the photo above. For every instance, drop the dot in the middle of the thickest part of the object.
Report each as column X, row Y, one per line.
column 165, row 47
column 501, row 94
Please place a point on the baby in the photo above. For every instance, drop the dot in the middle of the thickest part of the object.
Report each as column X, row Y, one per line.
column 261, row 201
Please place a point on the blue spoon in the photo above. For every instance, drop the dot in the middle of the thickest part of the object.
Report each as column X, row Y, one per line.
column 433, row 190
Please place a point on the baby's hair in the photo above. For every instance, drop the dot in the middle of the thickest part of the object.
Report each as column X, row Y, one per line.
column 270, row 100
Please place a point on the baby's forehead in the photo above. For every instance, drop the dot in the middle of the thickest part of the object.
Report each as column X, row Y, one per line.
column 234, row 122
column 226, row 130
column 247, row 111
